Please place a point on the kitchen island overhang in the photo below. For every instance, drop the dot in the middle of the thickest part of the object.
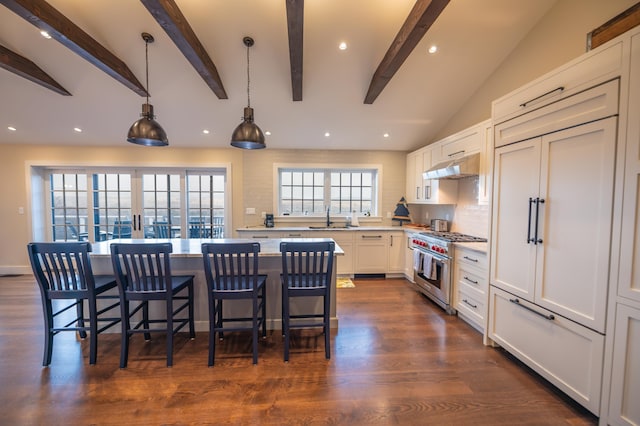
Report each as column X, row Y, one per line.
column 186, row 259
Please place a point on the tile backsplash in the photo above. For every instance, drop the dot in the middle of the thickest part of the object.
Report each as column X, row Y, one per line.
column 467, row 216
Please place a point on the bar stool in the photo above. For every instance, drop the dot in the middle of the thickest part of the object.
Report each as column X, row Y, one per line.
column 231, row 270
column 307, row 268
column 63, row 272
column 143, row 274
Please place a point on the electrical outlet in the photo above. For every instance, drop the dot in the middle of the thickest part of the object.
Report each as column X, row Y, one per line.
column 250, row 210
column 426, row 215
column 264, row 215
column 389, row 215
column 446, row 216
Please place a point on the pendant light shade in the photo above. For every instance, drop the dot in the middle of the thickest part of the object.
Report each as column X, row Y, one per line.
column 147, row 131
column 248, row 135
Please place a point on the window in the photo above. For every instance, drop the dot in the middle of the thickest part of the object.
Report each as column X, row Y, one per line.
column 99, row 205
column 309, row 192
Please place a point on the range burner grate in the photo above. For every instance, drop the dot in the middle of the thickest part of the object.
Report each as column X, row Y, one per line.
column 454, row 237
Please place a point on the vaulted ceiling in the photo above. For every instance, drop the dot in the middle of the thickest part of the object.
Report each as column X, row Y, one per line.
column 302, row 85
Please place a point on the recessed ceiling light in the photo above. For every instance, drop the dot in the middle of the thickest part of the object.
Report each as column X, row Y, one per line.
column 342, row 45
column 45, row 34
column 327, row 134
column 77, row 129
column 205, row 131
column 386, row 135
column 433, row 49
column 13, row 129
column 268, row 133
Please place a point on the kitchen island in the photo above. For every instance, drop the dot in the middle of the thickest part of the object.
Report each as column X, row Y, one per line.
column 187, row 259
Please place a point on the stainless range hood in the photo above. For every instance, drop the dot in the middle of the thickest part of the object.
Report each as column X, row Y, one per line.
column 455, row 169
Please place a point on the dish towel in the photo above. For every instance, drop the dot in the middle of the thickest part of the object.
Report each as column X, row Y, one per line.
column 417, row 261
column 428, row 267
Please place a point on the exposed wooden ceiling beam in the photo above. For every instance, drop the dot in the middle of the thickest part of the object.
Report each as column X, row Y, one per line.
column 422, row 16
column 295, row 24
column 23, row 67
column 47, row 18
column 171, row 19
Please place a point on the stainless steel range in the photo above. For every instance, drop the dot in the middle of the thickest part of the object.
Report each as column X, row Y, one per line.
column 432, row 260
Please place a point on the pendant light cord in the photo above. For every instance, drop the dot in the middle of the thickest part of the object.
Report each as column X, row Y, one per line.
column 248, row 80
column 146, row 61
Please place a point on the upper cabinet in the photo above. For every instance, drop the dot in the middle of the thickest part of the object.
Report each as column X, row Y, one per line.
column 476, row 139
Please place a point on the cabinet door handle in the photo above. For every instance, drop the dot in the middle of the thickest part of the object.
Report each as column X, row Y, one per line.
column 471, row 281
column 417, row 192
column 524, row 104
column 427, row 190
column 537, row 240
column 470, row 304
column 372, row 237
column 529, row 239
column 456, row 153
column 471, row 259
column 391, row 236
column 545, row 316
column 295, row 235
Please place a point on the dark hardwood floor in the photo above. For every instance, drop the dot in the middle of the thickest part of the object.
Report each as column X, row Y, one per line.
column 397, row 359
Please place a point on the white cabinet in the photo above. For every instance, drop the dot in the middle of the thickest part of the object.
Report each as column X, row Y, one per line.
column 371, row 252
column 424, row 191
column 548, row 191
column 464, row 143
column 408, row 255
column 568, row 355
column 486, row 163
column 396, row 252
column 624, row 408
column 551, row 238
column 471, row 286
column 344, row 239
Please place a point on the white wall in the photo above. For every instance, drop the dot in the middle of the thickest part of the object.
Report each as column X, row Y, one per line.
column 560, row 36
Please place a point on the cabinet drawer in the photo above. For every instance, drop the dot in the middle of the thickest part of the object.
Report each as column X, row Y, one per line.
column 459, row 145
column 471, row 258
column 593, row 104
column 588, row 70
column 568, row 355
column 471, row 305
column 472, row 277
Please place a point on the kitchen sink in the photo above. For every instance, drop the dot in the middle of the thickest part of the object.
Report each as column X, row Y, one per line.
column 330, row 227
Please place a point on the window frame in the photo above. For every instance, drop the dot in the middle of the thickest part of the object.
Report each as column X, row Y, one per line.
column 40, row 193
column 278, row 168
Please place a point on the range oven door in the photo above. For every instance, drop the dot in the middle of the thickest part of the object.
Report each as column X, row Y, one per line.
column 437, row 287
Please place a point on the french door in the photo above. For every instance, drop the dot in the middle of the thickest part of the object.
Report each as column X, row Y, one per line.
column 111, row 204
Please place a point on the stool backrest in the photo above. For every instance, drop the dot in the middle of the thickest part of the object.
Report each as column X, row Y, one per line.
column 307, row 264
column 62, row 270
column 231, row 266
column 142, row 268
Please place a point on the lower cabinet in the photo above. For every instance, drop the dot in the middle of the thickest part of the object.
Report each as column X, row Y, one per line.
column 567, row 354
column 371, row 252
column 396, row 252
column 345, row 240
column 624, row 408
column 470, row 281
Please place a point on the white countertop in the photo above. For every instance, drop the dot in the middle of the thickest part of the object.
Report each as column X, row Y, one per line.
column 192, row 247
column 319, row 228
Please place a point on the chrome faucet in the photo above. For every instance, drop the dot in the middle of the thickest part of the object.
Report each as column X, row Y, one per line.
column 328, row 217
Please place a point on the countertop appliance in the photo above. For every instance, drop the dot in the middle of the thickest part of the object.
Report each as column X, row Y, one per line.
column 439, row 225
column 268, row 221
column 432, row 260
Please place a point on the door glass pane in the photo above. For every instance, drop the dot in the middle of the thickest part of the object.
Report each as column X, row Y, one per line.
column 68, row 207
column 206, row 205
column 161, row 205
column 112, row 206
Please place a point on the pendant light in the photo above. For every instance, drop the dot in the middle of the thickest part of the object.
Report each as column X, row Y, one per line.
column 248, row 135
column 147, row 131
